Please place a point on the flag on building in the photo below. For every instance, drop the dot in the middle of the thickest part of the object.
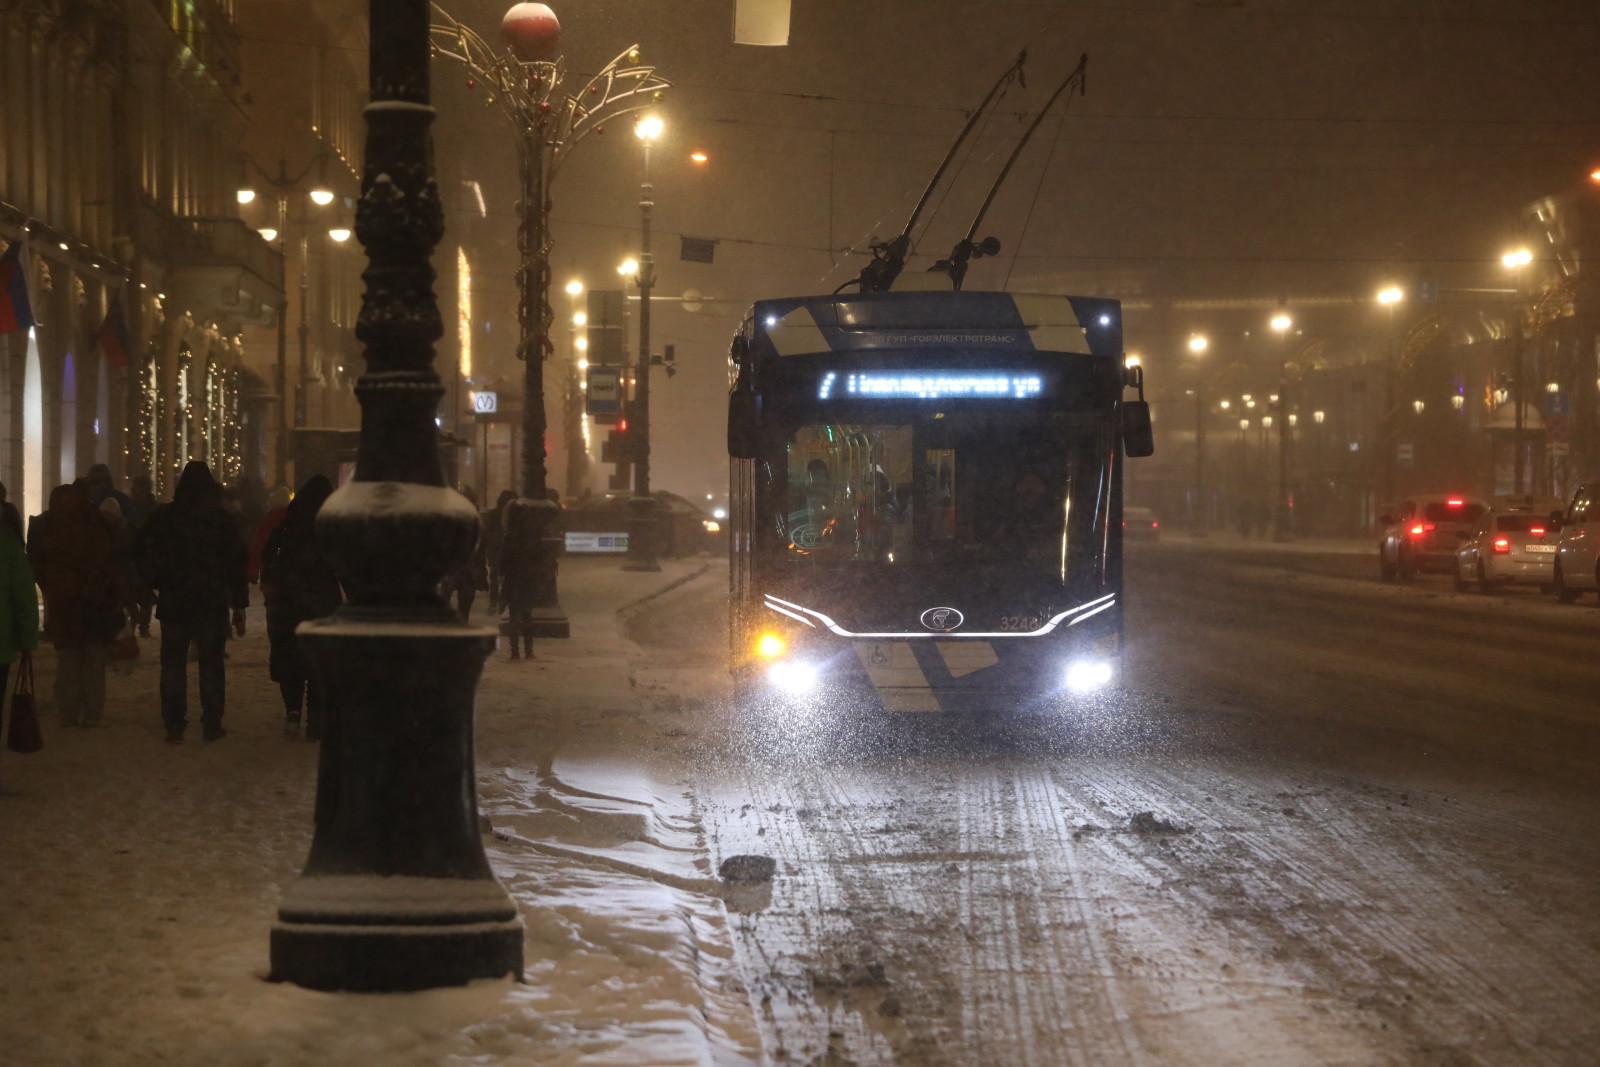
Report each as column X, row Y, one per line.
column 113, row 335
column 16, row 310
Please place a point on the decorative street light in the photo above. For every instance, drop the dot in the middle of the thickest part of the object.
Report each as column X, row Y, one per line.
column 1283, row 514
column 283, row 183
column 642, row 526
column 397, row 893
column 1197, row 519
column 525, row 80
column 577, row 445
column 1515, row 260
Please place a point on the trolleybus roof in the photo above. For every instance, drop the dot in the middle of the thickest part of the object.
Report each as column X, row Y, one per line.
column 853, row 322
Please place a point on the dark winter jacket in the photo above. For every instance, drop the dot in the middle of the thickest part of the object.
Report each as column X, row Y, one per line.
column 19, row 605
column 76, row 564
column 296, row 578
column 191, row 552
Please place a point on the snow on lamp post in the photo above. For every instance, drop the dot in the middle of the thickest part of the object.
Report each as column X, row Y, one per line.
column 525, row 81
column 397, row 893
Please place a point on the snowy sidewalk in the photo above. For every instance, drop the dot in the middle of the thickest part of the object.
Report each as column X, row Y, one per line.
column 138, row 880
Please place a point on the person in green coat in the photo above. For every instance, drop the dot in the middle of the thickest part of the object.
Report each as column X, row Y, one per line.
column 19, row 608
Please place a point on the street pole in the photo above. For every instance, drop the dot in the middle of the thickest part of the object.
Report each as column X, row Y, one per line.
column 1198, row 523
column 524, row 80
column 282, row 464
column 397, row 893
column 303, row 391
column 642, row 525
column 577, row 454
column 1283, row 527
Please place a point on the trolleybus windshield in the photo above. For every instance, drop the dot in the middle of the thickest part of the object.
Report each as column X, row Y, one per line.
column 960, row 485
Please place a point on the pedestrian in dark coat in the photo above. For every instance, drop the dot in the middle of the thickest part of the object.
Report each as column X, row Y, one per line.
column 465, row 581
column 19, row 610
column 192, row 554
column 76, row 563
column 144, row 505
column 494, row 550
column 298, row 584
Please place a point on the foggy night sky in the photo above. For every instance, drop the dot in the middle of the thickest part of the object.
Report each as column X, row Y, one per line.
column 1225, row 149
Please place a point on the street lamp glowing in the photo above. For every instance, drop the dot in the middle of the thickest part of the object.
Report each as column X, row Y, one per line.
column 581, row 344
column 340, row 234
column 1318, row 416
column 574, row 288
column 580, row 318
column 268, row 234
column 1391, row 295
column 321, row 197
column 628, row 267
column 1131, row 361
column 245, row 195
column 1225, row 404
column 1519, row 258
column 1198, row 343
column 648, row 128
column 698, row 157
column 1281, row 322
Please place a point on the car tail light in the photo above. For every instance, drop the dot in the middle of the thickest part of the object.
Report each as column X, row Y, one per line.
column 1421, row 528
column 1154, row 525
column 1454, row 502
column 1537, row 531
column 1502, row 545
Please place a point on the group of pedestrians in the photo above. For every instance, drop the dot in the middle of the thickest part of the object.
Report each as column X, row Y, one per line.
column 105, row 561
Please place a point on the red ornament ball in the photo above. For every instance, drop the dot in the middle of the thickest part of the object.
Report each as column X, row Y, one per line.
column 532, row 33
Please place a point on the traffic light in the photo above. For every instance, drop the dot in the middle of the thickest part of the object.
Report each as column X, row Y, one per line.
column 619, row 445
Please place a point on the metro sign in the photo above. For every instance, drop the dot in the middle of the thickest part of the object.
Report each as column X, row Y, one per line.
column 485, row 403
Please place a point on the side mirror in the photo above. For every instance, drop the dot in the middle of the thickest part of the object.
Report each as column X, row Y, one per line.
column 744, row 425
column 1138, row 438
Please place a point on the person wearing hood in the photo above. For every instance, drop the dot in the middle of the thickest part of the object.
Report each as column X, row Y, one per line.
column 192, row 554
column 298, row 584
column 77, row 565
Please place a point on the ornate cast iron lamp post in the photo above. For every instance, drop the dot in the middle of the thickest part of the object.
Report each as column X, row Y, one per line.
column 525, row 82
column 397, row 893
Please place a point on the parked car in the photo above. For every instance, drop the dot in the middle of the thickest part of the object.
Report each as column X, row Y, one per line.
column 1421, row 535
column 1507, row 546
column 1577, row 564
column 600, row 524
column 1140, row 524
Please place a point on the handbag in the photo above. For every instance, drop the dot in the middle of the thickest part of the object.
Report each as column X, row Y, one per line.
column 22, row 733
column 125, row 651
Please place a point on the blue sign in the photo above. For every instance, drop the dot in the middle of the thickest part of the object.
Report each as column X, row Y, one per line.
column 1556, row 404
column 604, row 393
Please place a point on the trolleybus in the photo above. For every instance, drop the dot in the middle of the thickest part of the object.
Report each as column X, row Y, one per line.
column 926, row 498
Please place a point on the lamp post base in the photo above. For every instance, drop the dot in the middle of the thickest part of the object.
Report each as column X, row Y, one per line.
column 394, row 935
column 397, row 893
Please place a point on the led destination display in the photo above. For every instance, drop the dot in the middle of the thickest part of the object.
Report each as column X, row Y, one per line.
column 930, row 385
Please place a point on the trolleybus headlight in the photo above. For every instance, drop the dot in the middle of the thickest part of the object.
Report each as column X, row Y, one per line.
column 1087, row 675
column 793, row 676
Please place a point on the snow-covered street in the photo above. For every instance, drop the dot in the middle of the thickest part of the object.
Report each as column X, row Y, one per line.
column 1304, row 859
column 139, row 879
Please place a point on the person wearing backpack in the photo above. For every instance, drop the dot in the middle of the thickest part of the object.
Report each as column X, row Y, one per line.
column 298, row 584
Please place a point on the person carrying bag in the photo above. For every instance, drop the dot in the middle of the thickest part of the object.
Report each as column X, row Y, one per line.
column 22, row 729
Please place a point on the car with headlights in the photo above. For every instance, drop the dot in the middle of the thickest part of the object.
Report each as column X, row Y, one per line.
column 1507, row 546
column 1577, row 562
column 1421, row 535
column 599, row 524
column 1140, row 524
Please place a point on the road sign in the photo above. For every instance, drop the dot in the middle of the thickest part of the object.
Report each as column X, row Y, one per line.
column 1556, row 404
column 485, row 403
column 604, row 395
column 1403, row 453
